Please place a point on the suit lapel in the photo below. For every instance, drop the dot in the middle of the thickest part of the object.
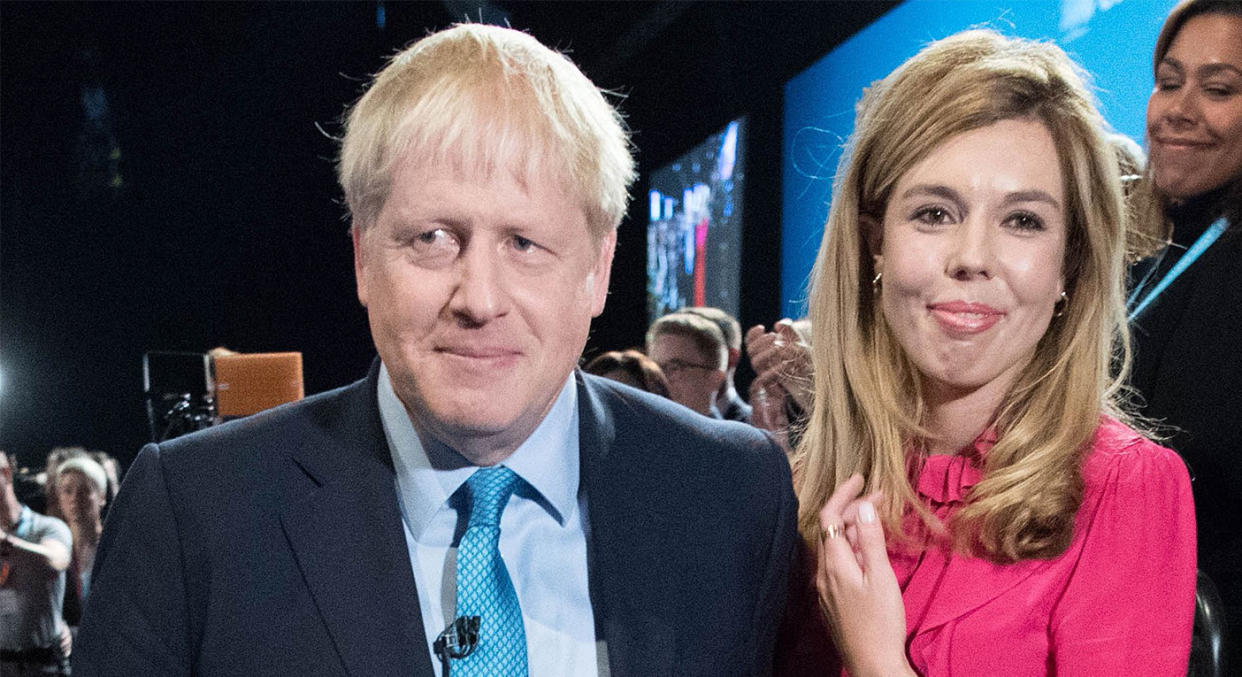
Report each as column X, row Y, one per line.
column 622, row 566
column 347, row 535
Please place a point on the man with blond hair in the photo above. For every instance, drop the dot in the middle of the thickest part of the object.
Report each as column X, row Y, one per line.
column 475, row 506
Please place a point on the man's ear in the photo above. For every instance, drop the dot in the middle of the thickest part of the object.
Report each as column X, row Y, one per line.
column 360, row 278
column 603, row 272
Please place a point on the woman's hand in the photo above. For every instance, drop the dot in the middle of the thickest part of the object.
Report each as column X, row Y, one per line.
column 782, row 362
column 768, row 413
column 857, row 588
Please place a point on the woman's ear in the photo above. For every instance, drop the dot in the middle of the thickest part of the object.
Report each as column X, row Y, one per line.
column 873, row 232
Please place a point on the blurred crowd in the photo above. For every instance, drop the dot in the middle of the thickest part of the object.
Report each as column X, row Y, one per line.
column 51, row 520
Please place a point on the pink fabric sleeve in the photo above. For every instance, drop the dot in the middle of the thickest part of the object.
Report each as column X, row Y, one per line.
column 1128, row 607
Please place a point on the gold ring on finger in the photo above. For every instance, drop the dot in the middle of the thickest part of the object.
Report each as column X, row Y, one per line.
column 832, row 531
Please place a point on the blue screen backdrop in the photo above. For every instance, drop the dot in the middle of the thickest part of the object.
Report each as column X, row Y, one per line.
column 1111, row 39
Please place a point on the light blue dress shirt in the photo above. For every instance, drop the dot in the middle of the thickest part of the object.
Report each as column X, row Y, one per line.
column 543, row 533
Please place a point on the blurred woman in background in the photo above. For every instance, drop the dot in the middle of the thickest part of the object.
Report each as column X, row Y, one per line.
column 81, row 490
column 1186, row 306
column 630, row 367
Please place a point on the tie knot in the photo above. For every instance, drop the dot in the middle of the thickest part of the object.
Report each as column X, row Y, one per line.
column 489, row 490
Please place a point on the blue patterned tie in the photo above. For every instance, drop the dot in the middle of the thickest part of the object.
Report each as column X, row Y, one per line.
column 483, row 585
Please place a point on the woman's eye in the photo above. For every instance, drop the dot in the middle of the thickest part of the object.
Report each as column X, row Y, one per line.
column 932, row 215
column 1168, row 77
column 1218, row 91
column 1025, row 222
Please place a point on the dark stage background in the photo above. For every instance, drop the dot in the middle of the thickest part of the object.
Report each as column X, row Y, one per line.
column 166, row 184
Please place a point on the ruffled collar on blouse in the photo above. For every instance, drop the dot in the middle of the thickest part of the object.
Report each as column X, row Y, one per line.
column 947, row 478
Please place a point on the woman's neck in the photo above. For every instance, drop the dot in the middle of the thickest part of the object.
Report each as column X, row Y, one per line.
column 1193, row 215
column 956, row 416
column 86, row 533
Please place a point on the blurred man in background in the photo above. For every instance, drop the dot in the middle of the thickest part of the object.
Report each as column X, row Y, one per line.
column 731, row 405
column 691, row 352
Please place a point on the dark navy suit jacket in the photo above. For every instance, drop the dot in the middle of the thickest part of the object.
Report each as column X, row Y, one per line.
column 274, row 546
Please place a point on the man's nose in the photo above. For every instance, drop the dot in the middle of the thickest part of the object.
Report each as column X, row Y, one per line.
column 479, row 295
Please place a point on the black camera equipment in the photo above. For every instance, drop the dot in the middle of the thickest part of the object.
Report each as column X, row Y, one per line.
column 179, row 389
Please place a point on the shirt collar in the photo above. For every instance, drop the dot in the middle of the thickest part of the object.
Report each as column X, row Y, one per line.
column 428, row 472
column 21, row 528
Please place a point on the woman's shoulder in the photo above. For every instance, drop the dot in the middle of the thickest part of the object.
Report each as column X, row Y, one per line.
column 1121, row 457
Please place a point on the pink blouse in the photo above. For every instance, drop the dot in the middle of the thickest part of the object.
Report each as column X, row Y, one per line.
column 1118, row 601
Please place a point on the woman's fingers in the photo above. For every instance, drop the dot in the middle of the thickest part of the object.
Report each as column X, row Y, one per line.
column 785, row 331
column 764, row 348
column 834, row 508
column 836, row 552
column 768, row 401
column 872, row 550
column 780, row 356
column 850, row 517
column 754, row 333
column 858, row 592
column 850, row 513
column 768, row 389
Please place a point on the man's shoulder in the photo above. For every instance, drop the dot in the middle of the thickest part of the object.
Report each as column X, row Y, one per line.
column 245, row 444
column 655, row 426
column 45, row 526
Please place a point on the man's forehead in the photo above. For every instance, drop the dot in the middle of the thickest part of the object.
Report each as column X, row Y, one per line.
column 473, row 168
column 413, row 168
column 675, row 341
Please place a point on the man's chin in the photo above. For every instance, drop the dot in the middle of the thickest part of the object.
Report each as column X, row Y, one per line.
column 476, row 431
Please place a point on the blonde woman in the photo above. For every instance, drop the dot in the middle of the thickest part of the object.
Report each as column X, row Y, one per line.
column 973, row 498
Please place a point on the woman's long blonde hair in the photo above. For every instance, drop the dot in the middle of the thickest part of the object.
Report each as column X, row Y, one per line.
column 868, row 409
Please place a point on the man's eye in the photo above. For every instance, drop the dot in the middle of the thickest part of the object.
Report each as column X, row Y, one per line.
column 435, row 242
column 523, row 244
column 430, row 237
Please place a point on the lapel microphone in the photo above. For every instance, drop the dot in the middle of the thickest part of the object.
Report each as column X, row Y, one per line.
column 458, row 640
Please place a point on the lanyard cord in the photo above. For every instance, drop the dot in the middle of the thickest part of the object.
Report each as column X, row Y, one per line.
column 1196, row 250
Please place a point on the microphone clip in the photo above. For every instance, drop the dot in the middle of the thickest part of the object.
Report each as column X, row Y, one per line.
column 459, row 639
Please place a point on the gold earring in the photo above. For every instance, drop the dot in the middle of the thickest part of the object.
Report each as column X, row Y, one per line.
column 875, row 283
